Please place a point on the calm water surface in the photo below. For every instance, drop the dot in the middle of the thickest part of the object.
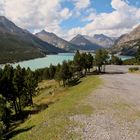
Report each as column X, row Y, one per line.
column 51, row 59
column 45, row 61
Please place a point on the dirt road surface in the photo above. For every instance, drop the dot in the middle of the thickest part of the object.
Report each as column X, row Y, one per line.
column 116, row 108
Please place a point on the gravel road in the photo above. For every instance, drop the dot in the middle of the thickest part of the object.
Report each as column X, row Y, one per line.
column 116, row 108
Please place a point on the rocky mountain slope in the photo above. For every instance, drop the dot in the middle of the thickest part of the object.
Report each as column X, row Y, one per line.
column 17, row 44
column 102, row 40
column 84, row 43
column 128, row 44
column 55, row 40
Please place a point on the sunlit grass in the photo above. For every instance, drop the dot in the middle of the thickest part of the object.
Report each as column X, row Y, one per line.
column 54, row 122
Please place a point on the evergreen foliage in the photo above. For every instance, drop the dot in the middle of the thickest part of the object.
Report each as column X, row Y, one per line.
column 17, row 86
column 116, row 60
column 101, row 58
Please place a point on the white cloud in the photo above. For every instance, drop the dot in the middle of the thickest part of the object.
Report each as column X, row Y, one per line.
column 81, row 4
column 65, row 13
column 1, row 7
column 121, row 20
column 36, row 14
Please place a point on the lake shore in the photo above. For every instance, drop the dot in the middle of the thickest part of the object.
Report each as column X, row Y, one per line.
column 43, row 62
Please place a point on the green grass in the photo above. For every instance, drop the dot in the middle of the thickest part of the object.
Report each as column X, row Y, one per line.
column 54, row 122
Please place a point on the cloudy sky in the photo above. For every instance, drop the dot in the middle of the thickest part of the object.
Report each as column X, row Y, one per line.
column 68, row 18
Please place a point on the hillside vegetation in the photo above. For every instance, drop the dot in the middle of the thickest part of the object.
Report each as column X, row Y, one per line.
column 54, row 122
column 18, row 86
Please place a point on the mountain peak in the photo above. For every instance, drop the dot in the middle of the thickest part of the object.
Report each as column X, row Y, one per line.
column 78, row 36
column 55, row 40
column 7, row 26
column 44, row 32
column 98, row 36
column 102, row 40
column 102, row 35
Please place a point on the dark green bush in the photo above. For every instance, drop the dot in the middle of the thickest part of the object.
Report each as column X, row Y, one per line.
column 133, row 69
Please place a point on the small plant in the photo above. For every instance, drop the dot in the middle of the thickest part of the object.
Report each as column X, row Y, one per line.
column 133, row 69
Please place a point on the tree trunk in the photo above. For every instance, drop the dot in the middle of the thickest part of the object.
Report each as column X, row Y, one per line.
column 19, row 105
column 85, row 72
column 15, row 107
column 31, row 99
column 104, row 68
column 99, row 69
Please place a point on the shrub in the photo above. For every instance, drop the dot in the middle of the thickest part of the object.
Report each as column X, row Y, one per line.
column 131, row 61
column 133, row 69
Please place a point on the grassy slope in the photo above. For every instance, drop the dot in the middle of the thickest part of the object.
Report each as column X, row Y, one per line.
column 53, row 122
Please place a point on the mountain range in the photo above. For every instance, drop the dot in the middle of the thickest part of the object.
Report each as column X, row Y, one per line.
column 80, row 42
column 84, row 44
column 17, row 44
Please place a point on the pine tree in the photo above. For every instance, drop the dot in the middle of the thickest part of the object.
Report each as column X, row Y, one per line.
column 18, row 83
column 30, row 85
column 78, row 63
column 89, row 61
column 58, row 73
column 52, row 70
column 101, row 58
column 64, row 72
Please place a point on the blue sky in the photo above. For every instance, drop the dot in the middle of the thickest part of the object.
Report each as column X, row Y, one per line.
column 68, row 18
column 99, row 5
column 76, row 21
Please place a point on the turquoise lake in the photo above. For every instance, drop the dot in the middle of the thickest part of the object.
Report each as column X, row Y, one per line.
column 45, row 61
column 50, row 59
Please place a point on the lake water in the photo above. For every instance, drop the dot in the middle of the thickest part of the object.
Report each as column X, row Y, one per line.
column 51, row 59
column 45, row 61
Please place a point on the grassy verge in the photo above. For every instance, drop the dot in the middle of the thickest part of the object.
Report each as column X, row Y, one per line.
column 53, row 123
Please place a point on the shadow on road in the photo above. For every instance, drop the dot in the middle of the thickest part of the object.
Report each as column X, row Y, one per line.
column 115, row 72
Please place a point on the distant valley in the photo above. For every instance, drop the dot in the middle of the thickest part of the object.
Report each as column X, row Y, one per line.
column 17, row 44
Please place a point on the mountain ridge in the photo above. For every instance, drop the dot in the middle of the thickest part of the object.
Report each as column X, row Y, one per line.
column 96, row 42
column 102, row 40
column 56, row 40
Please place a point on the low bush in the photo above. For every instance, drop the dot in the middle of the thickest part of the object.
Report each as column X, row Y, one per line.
column 133, row 69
